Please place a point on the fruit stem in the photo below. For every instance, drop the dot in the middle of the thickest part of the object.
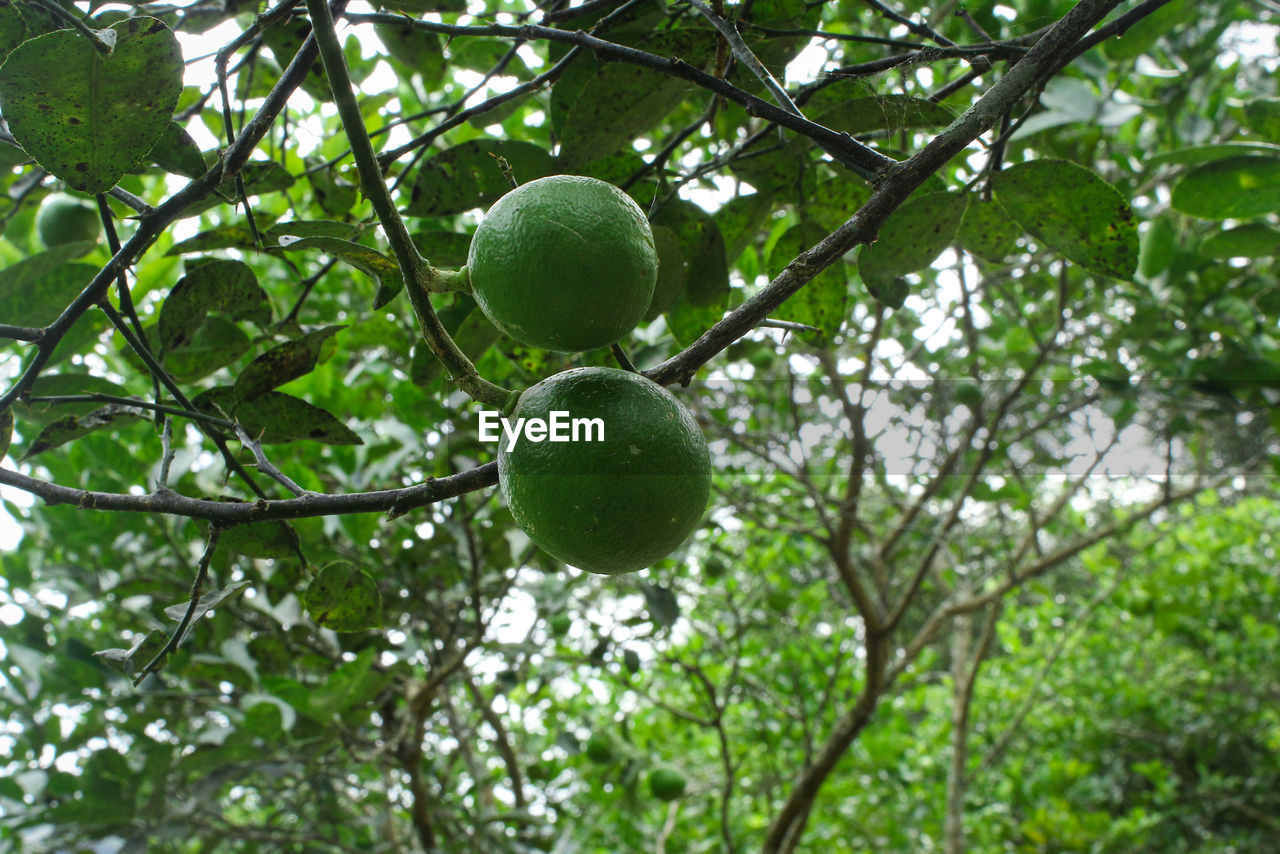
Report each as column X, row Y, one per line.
column 420, row 277
column 623, row 359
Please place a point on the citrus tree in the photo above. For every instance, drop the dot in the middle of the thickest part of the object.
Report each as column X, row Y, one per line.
column 936, row 351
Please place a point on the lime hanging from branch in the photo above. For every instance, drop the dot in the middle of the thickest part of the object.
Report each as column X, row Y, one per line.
column 618, row 498
column 564, row 263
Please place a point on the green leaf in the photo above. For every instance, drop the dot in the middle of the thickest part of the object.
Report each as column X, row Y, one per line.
column 739, row 221
column 274, row 540
column 444, row 249
column 275, row 418
column 706, row 268
column 344, row 598
column 597, row 108
column 220, row 237
column 912, row 237
column 86, row 117
column 892, row 293
column 1235, row 188
column 671, row 271
column 863, row 114
column 1262, row 115
column 311, row 228
column 72, row 427
column 469, row 176
column 216, row 343
column 1144, row 33
column 417, row 51
column 381, row 268
column 178, row 152
column 1195, row 154
column 286, row 362
column 1255, row 240
column 987, row 232
column 1158, row 245
column 225, row 286
column 131, row 660
column 284, row 40
column 35, row 291
column 822, row 302
column 22, row 21
column 1073, row 212
column 471, row 331
column 664, row 609
column 687, row 321
column 333, row 192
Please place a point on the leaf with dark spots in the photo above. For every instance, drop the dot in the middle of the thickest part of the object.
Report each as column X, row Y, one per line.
column 87, row 117
column 344, row 598
column 1072, row 211
column 272, row 539
column 382, row 269
column 286, row 362
column 910, row 239
column 72, row 427
column 229, row 287
column 469, row 176
column 275, row 418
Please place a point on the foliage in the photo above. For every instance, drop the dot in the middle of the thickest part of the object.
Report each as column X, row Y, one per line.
column 980, row 321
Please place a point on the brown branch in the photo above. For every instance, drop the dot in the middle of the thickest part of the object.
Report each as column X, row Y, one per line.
column 393, row 501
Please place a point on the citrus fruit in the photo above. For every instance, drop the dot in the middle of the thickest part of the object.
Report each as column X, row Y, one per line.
column 564, row 263
column 600, row 749
column 666, row 784
column 968, row 394
column 63, row 219
column 560, row 624
column 619, row 498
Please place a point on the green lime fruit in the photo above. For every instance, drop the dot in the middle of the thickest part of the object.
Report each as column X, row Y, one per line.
column 63, row 220
column 600, row 749
column 666, row 784
column 564, row 263
column 968, row 394
column 559, row 624
column 629, row 485
column 713, row 568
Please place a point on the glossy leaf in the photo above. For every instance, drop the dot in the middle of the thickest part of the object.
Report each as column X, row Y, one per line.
column 1235, row 188
column 1256, row 240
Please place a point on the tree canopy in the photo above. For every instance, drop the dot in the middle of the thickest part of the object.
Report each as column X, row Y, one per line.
column 975, row 304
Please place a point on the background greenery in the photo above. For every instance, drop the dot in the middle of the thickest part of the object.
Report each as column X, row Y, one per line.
column 991, row 562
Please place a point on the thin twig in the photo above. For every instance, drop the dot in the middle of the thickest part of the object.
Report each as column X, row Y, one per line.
column 215, row 532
